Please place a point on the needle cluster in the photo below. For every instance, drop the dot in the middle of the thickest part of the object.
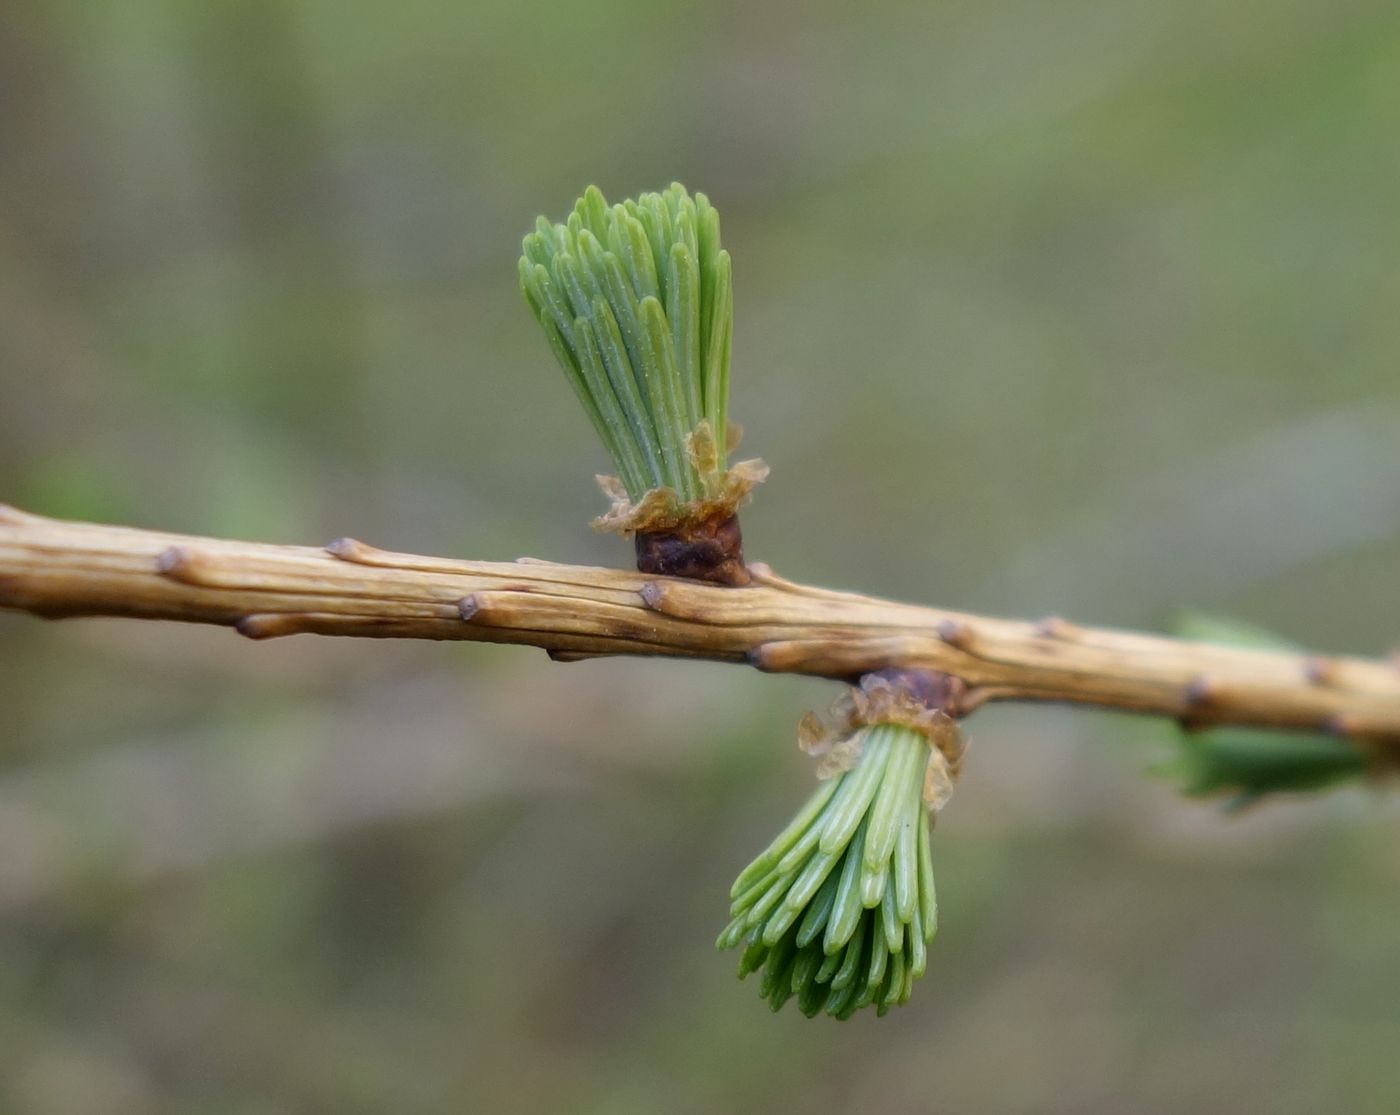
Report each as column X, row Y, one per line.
column 839, row 909
column 636, row 301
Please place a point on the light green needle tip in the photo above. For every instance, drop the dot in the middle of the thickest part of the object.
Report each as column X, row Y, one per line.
column 636, row 302
column 839, row 910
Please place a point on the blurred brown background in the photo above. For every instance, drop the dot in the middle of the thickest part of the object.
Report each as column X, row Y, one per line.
column 1086, row 308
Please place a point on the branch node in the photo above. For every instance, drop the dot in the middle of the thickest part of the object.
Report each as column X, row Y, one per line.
column 1200, row 691
column 353, row 550
column 1057, row 627
column 468, row 606
column 653, row 595
column 956, row 634
column 689, row 600
column 556, row 655
column 761, row 573
column 266, row 626
column 1321, row 670
column 1342, row 726
column 932, row 689
column 708, row 549
column 922, row 700
column 181, row 564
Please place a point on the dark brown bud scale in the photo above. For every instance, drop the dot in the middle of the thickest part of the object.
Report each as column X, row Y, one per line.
column 711, row 550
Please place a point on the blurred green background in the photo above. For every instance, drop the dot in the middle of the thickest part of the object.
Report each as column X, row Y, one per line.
column 1085, row 308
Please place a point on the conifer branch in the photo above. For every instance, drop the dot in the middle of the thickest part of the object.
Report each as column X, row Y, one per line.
column 636, row 302
column 58, row 569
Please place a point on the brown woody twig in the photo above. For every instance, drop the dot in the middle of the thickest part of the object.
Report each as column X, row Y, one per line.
column 57, row 569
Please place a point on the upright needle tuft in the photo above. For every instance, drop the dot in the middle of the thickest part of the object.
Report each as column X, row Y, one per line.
column 636, row 301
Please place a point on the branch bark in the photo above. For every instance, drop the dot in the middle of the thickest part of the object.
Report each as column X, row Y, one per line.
column 59, row 569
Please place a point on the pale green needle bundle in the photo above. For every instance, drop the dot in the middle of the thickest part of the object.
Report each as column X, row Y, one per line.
column 839, row 910
column 636, row 302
